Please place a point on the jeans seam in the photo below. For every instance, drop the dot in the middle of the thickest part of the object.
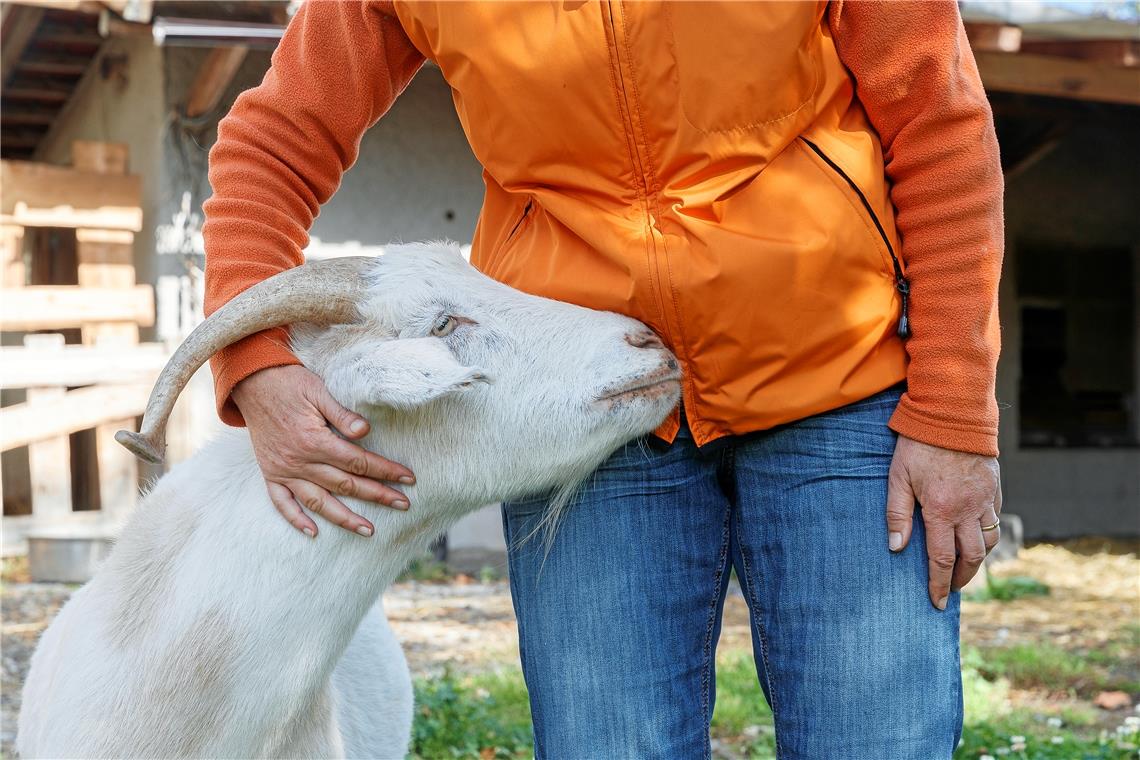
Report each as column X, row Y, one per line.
column 512, row 577
column 762, row 635
column 706, row 674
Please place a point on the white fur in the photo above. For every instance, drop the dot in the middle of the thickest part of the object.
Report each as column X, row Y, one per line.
column 215, row 629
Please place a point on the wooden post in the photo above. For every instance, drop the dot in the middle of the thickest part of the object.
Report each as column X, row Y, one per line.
column 106, row 260
column 49, row 461
column 12, row 256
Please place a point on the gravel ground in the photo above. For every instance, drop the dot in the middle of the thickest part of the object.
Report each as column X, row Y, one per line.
column 469, row 625
column 25, row 609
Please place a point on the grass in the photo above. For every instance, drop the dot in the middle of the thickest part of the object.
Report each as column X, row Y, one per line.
column 999, row 589
column 1051, row 669
column 486, row 715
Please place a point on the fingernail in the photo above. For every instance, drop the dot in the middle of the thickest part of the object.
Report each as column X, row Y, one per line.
column 407, row 480
column 365, row 531
column 895, row 541
column 357, row 427
column 941, row 603
column 400, row 504
column 309, row 532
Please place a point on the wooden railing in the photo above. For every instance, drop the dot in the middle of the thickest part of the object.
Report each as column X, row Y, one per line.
column 70, row 312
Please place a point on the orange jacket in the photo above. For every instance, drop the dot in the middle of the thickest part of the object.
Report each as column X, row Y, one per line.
column 716, row 171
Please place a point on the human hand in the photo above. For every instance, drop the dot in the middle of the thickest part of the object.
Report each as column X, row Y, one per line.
column 289, row 411
column 959, row 494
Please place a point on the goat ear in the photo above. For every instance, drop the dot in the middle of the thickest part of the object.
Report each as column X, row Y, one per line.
column 407, row 373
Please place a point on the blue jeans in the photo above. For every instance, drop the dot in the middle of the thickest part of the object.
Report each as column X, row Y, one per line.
column 619, row 617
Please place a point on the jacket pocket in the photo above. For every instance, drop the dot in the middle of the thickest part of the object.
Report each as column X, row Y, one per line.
column 523, row 218
column 902, row 284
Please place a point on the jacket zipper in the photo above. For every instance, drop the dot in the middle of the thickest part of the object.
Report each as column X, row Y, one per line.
column 902, row 284
column 521, row 219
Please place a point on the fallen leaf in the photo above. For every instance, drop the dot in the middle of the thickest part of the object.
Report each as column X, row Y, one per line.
column 1112, row 700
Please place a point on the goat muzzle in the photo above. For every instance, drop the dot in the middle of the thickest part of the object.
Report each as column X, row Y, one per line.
column 320, row 292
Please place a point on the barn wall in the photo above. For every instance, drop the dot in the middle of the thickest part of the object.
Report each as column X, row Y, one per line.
column 1083, row 195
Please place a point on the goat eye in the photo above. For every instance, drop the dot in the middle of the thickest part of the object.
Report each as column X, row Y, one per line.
column 445, row 325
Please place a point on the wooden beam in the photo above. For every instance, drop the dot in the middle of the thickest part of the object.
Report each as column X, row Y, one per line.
column 100, row 157
column 1114, row 52
column 19, row 27
column 993, row 36
column 213, row 78
column 45, row 307
column 40, row 419
column 1059, row 77
column 41, row 195
column 80, row 365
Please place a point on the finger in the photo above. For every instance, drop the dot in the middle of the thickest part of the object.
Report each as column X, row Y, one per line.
column 971, row 553
column 990, row 537
column 283, row 500
column 363, row 463
column 341, row 483
column 347, row 422
column 940, row 558
column 318, row 500
column 900, row 509
column 997, row 497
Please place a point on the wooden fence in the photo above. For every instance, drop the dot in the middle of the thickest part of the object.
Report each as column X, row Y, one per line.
column 72, row 370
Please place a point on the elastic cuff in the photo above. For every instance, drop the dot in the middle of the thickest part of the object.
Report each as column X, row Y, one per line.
column 235, row 363
column 947, row 435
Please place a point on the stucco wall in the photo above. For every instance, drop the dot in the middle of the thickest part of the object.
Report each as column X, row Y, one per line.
column 415, row 177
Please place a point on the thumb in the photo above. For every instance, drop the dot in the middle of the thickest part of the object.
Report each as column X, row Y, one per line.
column 348, row 423
column 900, row 509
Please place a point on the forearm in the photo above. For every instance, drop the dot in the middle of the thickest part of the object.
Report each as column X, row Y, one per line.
column 917, row 79
column 281, row 152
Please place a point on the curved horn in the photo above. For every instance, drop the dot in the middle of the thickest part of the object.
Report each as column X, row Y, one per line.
column 322, row 292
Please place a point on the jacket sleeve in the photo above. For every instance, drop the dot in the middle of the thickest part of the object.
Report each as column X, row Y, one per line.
column 281, row 152
column 917, row 79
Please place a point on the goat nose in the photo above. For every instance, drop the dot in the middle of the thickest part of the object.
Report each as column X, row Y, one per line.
column 643, row 339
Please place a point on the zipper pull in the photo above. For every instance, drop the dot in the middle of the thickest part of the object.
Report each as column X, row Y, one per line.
column 902, row 284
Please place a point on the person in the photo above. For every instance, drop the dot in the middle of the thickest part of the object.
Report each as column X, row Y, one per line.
column 804, row 201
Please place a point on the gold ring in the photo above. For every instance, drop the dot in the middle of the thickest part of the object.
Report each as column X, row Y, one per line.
column 992, row 527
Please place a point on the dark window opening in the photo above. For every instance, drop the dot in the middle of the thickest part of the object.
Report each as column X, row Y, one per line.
column 1078, row 344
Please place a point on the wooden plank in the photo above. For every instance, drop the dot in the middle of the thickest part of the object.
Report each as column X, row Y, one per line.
column 118, row 469
column 12, row 274
column 1059, row 77
column 99, row 157
column 42, row 94
column 80, row 365
column 35, row 194
column 19, row 28
column 1113, row 52
column 213, row 78
column 43, row 417
column 107, row 263
column 51, row 308
column 49, row 455
column 993, row 36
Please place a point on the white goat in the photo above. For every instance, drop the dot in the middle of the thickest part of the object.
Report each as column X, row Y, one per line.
column 215, row 629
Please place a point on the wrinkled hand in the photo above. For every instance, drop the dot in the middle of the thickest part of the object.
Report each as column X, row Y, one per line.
column 288, row 412
column 959, row 493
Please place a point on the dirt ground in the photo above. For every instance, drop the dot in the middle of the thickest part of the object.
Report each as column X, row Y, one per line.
column 469, row 625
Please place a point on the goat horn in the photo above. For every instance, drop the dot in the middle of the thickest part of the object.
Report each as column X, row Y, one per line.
column 321, row 292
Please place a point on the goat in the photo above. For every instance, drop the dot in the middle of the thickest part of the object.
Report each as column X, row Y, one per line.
column 215, row 629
